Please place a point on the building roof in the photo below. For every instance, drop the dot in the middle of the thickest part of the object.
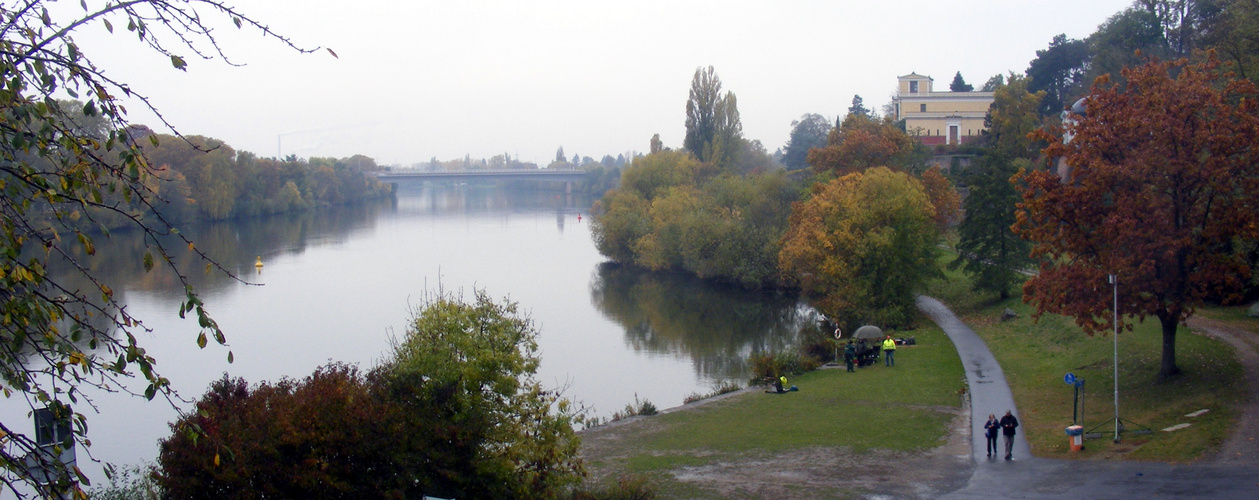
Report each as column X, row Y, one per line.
column 916, row 75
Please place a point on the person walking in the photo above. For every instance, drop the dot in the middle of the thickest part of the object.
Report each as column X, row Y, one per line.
column 1008, row 424
column 850, row 355
column 990, row 431
column 889, row 348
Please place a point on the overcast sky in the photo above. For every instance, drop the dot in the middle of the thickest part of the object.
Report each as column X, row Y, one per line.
column 417, row 79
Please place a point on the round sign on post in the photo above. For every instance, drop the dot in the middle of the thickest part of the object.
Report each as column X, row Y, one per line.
column 1069, row 379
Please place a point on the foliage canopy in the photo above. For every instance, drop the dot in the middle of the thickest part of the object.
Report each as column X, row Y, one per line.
column 66, row 173
column 454, row 412
column 862, row 244
column 1161, row 187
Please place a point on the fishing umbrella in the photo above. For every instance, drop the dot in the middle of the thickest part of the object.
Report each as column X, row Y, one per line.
column 868, row 332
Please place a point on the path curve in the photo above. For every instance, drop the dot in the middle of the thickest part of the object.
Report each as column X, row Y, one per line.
column 1030, row 477
column 1242, row 446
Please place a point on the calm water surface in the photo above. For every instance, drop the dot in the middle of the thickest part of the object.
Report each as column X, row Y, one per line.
column 338, row 284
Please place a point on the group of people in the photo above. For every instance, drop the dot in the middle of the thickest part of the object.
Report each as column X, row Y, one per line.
column 1006, row 425
column 862, row 354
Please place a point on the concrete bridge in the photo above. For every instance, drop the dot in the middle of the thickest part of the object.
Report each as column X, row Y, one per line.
column 511, row 174
column 568, row 177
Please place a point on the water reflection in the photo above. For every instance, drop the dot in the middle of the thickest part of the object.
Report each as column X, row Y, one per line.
column 716, row 326
column 236, row 245
column 463, row 199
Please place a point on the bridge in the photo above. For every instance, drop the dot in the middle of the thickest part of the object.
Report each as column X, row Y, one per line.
column 568, row 176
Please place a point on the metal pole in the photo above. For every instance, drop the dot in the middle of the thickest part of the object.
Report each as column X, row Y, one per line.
column 1075, row 404
column 1114, row 280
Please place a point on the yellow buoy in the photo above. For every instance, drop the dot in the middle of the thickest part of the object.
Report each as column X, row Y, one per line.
column 259, row 263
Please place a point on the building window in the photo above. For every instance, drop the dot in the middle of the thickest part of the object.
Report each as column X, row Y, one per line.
column 913, row 87
column 922, row 108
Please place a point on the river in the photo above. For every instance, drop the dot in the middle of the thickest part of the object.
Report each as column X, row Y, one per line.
column 337, row 284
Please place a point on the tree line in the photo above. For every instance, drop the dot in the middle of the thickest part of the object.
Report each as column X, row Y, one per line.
column 867, row 214
column 201, row 178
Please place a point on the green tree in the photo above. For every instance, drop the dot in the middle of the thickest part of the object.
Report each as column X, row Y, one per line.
column 809, row 132
column 997, row 80
column 858, row 107
column 987, row 249
column 726, row 228
column 58, row 177
column 1184, row 23
column 1234, row 32
column 1162, row 185
column 1116, row 42
column 1013, row 115
column 464, row 374
column 1059, row 71
column 862, row 245
column 713, row 128
column 959, row 84
column 656, row 144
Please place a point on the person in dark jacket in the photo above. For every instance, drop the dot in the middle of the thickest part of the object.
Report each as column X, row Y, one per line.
column 1008, row 424
column 850, row 355
column 990, row 432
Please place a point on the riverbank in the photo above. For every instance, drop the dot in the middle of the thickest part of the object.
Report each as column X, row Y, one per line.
column 689, row 452
column 897, row 431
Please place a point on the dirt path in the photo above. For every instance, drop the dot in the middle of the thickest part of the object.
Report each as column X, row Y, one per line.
column 1243, row 445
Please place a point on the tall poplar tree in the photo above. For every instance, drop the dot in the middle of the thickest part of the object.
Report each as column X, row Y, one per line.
column 713, row 128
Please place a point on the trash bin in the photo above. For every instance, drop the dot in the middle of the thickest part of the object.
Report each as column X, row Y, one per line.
column 1076, row 435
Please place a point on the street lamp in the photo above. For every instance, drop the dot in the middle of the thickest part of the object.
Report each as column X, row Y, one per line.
column 1114, row 281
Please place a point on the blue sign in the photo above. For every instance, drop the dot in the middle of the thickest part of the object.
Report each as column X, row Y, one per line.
column 1069, row 379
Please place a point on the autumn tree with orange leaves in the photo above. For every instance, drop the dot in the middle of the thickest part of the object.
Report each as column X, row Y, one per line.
column 1163, row 181
column 862, row 142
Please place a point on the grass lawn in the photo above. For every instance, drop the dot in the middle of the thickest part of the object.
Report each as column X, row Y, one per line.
column 1035, row 355
column 904, row 408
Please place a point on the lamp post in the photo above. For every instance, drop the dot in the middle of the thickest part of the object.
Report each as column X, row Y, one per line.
column 1114, row 281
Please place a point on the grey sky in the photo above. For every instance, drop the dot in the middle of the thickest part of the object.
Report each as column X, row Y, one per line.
column 417, row 79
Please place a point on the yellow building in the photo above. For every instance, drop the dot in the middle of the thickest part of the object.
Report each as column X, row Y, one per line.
column 939, row 117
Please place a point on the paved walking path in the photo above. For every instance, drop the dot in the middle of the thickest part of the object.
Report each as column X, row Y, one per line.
column 989, row 393
column 1030, row 477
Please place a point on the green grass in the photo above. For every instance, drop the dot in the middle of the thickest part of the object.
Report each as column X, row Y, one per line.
column 904, row 408
column 1035, row 355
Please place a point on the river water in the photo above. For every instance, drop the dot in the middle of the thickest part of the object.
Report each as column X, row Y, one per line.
column 337, row 284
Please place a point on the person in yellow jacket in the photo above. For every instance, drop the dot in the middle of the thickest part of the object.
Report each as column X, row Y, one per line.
column 889, row 348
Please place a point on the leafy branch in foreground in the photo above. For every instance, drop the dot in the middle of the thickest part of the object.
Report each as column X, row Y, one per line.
column 61, row 168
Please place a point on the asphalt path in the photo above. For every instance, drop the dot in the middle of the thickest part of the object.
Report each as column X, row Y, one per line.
column 1028, row 477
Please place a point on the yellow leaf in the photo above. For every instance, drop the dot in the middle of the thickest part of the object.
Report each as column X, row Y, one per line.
column 216, row 459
